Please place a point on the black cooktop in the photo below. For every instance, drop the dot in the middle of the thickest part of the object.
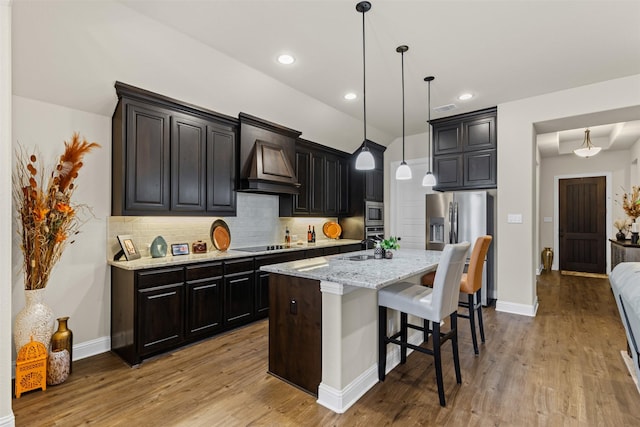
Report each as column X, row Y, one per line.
column 262, row 248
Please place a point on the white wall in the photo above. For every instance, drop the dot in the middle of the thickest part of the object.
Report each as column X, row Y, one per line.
column 517, row 250
column 6, row 415
column 79, row 286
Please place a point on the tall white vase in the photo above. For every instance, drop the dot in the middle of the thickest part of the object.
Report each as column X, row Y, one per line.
column 35, row 319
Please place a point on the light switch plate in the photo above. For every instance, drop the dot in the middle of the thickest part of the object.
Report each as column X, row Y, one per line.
column 514, row 218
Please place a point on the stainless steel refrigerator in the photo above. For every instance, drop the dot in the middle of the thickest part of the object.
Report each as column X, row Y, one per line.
column 461, row 216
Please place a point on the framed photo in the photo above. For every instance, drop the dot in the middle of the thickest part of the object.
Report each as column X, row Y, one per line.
column 180, row 249
column 128, row 247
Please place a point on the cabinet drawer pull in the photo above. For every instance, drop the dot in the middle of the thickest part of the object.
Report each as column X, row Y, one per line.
column 166, row 294
column 244, row 279
column 212, row 285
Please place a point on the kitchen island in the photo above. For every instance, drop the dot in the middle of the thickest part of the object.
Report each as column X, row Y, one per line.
column 323, row 320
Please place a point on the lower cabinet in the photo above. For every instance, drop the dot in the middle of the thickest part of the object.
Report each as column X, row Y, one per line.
column 295, row 331
column 238, row 291
column 204, row 299
column 159, row 309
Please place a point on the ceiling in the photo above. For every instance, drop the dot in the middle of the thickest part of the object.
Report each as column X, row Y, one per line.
column 499, row 51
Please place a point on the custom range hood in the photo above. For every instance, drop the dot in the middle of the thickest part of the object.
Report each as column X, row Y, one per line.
column 267, row 153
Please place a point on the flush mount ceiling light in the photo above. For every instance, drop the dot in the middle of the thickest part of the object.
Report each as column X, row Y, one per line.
column 286, row 59
column 350, row 96
column 587, row 149
column 404, row 171
column 465, row 96
column 429, row 179
column 365, row 160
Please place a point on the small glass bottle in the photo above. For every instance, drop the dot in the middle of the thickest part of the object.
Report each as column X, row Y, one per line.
column 287, row 238
column 313, row 234
column 309, row 237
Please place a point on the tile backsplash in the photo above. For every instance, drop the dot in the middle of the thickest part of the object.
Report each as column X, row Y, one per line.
column 256, row 223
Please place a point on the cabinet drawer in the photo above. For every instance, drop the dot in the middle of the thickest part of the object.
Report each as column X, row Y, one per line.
column 238, row 266
column 204, row 271
column 165, row 276
column 312, row 253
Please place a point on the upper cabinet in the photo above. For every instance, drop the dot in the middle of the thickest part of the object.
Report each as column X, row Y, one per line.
column 465, row 151
column 323, row 174
column 171, row 158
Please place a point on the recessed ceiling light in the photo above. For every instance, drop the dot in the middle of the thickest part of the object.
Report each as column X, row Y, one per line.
column 465, row 96
column 286, row 59
column 350, row 96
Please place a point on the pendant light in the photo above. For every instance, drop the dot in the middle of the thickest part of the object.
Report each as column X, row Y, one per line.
column 365, row 160
column 429, row 179
column 404, row 171
column 587, row 149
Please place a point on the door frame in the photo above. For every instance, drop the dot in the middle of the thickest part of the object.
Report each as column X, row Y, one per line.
column 556, row 213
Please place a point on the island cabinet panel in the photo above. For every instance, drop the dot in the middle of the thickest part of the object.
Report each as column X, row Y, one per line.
column 295, row 331
column 239, row 290
column 465, row 151
column 262, row 279
column 160, row 303
column 204, row 299
column 171, row 158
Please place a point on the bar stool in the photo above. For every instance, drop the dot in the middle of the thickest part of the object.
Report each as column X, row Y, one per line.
column 431, row 304
column 471, row 284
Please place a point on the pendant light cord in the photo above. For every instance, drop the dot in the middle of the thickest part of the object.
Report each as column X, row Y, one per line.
column 364, row 81
column 429, row 123
column 402, row 53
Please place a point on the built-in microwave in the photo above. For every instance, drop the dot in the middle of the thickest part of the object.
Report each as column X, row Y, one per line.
column 373, row 214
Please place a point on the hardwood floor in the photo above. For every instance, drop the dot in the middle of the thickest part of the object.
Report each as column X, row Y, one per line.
column 562, row 367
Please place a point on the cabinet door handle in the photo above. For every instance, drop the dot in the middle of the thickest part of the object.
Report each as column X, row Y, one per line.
column 167, row 294
column 213, row 285
column 244, row 279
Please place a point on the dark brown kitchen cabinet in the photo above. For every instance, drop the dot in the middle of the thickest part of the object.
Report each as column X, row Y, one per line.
column 171, row 158
column 323, row 175
column 144, row 176
column 239, row 291
column 160, row 306
column 262, row 279
column 465, row 151
column 295, row 331
column 204, row 299
column 221, row 170
column 188, row 164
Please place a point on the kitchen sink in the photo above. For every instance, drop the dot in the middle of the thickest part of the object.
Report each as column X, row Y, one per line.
column 359, row 257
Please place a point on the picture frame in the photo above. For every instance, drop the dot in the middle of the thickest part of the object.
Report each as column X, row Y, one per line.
column 180, row 249
column 129, row 249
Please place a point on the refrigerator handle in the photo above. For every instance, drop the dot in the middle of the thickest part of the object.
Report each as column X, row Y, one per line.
column 455, row 222
column 450, row 220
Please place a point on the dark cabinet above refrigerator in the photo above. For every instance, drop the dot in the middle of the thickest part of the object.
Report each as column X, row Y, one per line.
column 465, row 151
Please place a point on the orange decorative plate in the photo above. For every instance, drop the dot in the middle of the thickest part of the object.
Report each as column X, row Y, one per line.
column 220, row 235
column 332, row 229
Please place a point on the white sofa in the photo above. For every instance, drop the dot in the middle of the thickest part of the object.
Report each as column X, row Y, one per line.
column 625, row 284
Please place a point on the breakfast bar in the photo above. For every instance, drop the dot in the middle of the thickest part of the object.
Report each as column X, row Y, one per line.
column 323, row 320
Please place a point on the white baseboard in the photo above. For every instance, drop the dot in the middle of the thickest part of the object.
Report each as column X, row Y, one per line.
column 341, row 400
column 515, row 308
column 8, row 421
column 81, row 351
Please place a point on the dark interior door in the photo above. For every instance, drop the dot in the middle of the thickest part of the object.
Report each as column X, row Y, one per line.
column 582, row 224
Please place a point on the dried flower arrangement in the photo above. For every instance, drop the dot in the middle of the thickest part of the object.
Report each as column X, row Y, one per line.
column 631, row 202
column 47, row 217
column 622, row 224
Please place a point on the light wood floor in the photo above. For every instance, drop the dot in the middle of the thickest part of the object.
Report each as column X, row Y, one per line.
column 561, row 368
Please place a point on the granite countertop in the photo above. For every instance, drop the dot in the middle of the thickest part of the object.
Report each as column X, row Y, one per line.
column 371, row 273
column 215, row 255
